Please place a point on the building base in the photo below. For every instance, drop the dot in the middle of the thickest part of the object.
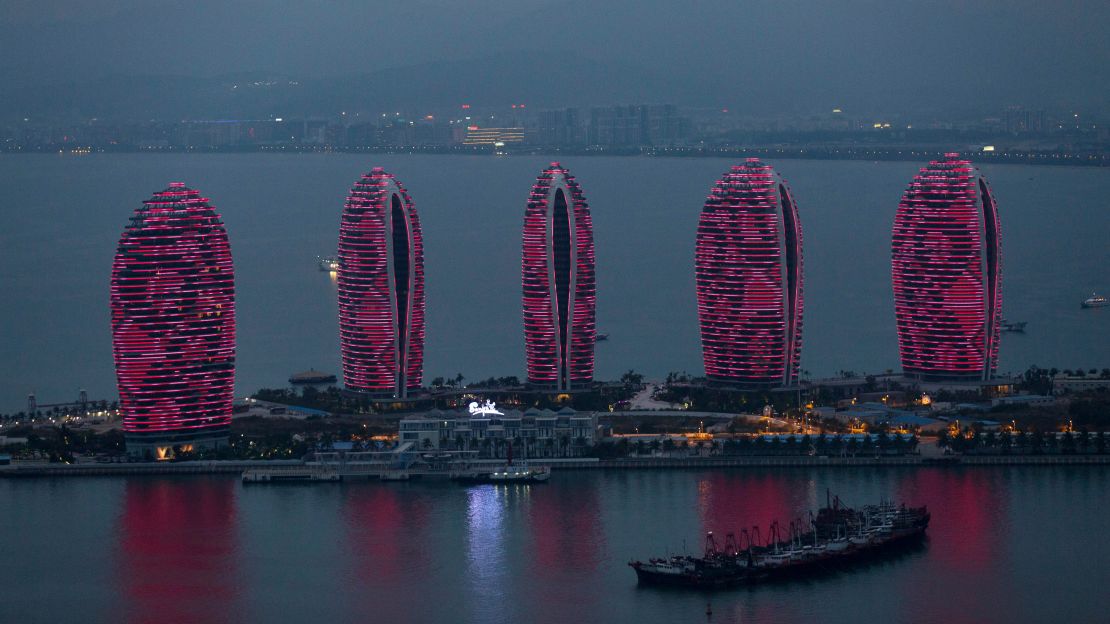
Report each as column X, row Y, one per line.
column 162, row 446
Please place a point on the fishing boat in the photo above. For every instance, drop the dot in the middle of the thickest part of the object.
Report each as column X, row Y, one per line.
column 836, row 536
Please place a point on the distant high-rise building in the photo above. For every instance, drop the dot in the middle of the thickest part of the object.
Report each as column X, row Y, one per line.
column 559, row 128
column 1019, row 120
column 493, row 136
column 748, row 262
column 637, row 125
column 946, row 266
column 173, row 324
column 560, row 292
column 381, row 288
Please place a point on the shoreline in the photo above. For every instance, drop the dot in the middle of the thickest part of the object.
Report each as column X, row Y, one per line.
column 656, row 463
column 830, row 152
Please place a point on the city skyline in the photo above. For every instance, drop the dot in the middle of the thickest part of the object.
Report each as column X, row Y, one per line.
column 554, row 311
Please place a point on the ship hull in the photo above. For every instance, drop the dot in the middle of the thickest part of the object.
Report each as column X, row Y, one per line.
column 781, row 563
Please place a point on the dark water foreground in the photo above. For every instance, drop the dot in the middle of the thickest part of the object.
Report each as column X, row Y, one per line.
column 1007, row 544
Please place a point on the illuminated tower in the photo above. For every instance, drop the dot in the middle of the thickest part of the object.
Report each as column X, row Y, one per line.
column 946, row 269
column 381, row 288
column 748, row 263
column 560, row 293
column 173, row 324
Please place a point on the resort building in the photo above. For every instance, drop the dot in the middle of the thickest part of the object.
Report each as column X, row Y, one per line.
column 381, row 289
column 748, row 265
column 173, row 325
column 560, row 292
column 487, row 429
column 947, row 276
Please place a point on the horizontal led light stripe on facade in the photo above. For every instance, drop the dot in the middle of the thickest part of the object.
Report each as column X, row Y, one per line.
column 559, row 287
column 946, row 271
column 381, row 288
column 748, row 265
column 173, row 320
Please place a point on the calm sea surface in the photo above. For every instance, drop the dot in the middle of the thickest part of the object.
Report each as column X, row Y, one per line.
column 1011, row 544
column 62, row 216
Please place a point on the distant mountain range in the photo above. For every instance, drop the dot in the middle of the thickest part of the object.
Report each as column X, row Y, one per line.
column 540, row 80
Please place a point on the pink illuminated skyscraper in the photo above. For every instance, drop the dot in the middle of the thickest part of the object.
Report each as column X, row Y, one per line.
column 946, row 268
column 173, row 324
column 748, row 262
column 560, row 292
column 381, row 288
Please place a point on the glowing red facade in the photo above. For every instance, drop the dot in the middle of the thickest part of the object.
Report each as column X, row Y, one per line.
column 748, row 263
column 381, row 288
column 173, row 321
column 946, row 268
column 560, row 291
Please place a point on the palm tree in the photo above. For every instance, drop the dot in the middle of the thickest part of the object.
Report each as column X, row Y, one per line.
column 579, row 444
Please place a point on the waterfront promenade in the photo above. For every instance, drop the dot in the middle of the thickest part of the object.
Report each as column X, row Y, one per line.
column 38, row 469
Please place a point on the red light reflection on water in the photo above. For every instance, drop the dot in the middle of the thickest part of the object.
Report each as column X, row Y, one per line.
column 177, row 551
column 566, row 530
column 963, row 504
column 728, row 503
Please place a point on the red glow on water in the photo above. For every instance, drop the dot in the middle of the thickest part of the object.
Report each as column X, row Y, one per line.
column 946, row 272
column 559, row 334
column 178, row 559
column 173, row 316
column 380, row 524
column 748, row 262
column 730, row 503
column 568, row 538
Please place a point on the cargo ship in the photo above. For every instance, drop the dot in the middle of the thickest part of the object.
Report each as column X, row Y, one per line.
column 838, row 535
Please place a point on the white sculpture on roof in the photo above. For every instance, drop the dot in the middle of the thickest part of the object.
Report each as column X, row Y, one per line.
column 489, row 408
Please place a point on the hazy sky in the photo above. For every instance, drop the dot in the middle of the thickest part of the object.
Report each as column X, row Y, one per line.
column 812, row 54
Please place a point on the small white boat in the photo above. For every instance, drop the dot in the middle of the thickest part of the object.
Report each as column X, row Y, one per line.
column 1096, row 301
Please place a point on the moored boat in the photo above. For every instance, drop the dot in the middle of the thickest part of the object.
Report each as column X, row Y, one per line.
column 838, row 535
column 510, row 472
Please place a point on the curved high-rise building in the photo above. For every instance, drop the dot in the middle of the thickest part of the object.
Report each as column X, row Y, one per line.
column 381, row 288
column 748, row 263
column 946, row 269
column 560, row 291
column 173, row 324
